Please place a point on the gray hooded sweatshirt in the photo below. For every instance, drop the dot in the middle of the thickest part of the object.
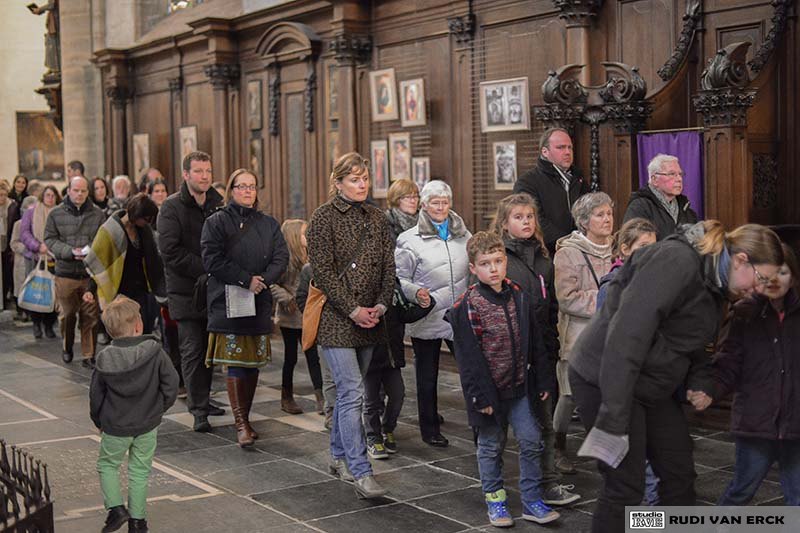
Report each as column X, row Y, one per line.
column 133, row 384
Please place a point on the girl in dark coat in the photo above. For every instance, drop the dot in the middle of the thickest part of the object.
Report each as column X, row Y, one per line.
column 757, row 362
column 242, row 248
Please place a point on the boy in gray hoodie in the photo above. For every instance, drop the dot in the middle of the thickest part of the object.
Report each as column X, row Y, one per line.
column 133, row 384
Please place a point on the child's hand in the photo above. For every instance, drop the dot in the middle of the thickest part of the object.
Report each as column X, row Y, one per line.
column 486, row 410
column 544, row 395
column 424, row 298
column 699, row 399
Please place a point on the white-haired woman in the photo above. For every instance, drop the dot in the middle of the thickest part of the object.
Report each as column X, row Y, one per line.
column 582, row 258
column 431, row 260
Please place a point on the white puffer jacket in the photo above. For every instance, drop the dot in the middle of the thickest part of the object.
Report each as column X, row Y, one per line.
column 424, row 260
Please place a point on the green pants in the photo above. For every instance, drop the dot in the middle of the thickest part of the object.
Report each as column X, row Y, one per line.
column 140, row 451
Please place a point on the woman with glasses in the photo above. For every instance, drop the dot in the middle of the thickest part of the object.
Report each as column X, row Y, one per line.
column 243, row 252
column 403, row 200
column 651, row 338
column 127, row 239
column 661, row 201
column 432, row 262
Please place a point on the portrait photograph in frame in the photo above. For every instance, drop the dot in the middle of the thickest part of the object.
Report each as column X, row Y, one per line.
column 383, row 95
column 505, row 165
column 141, row 153
column 504, row 105
column 254, row 104
column 379, row 157
column 255, row 157
column 400, row 155
column 187, row 138
column 421, row 170
column 412, row 102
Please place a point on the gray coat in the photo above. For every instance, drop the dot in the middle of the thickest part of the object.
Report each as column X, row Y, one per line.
column 69, row 227
column 424, row 260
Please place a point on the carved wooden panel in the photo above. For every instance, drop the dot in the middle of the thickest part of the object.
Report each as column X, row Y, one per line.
column 647, row 50
column 151, row 115
column 199, row 103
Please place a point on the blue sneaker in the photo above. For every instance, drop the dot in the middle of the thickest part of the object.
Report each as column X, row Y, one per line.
column 497, row 504
column 538, row 512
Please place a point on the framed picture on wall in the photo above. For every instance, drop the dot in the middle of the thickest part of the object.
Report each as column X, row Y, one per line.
column 383, row 95
column 504, row 105
column 40, row 146
column 379, row 156
column 254, row 104
column 421, row 170
column 141, row 153
column 255, row 158
column 187, row 137
column 412, row 102
column 505, row 164
column 331, row 91
column 400, row 155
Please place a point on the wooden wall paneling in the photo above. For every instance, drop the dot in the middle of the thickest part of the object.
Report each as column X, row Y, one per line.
column 729, row 185
column 151, row 115
column 199, row 106
column 272, row 157
column 460, row 108
column 789, row 132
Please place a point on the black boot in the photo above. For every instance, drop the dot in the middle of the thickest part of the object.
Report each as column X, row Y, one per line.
column 48, row 330
column 137, row 525
column 117, row 516
column 37, row 330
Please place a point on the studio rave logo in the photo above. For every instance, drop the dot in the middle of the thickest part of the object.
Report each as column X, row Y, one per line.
column 647, row 520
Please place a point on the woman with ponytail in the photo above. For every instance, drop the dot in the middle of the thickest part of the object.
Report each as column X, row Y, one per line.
column 651, row 337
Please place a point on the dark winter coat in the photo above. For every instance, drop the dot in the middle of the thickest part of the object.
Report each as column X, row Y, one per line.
column 306, row 274
column 333, row 240
column 662, row 310
column 133, row 384
column 529, row 268
column 544, row 183
column 70, row 227
column 645, row 204
column 180, row 222
column 238, row 243
column 476, row 377
column 756, row 361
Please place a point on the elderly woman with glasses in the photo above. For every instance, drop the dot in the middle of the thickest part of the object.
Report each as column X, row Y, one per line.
column 432, row 261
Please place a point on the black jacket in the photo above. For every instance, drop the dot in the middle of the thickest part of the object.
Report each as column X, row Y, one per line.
column 133, row 385
column 531, row 270
column 238, row 243
column 662, row 310
column 756, row 360
column 476, row 377
column 645, row 204
column 180, row 221
column 544, row 183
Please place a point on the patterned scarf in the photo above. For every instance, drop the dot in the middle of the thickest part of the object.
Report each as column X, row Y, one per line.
column 671, row 207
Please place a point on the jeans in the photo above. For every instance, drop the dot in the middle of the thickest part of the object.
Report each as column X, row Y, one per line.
column 193, row 339
column 492, row 442
column 374, row 409
column 328, row 386
column 291, row 338
column 140, row 450
column 754, row 457
column 426, row 367
column 658, row 433
column 543, row 410
column 348, row 367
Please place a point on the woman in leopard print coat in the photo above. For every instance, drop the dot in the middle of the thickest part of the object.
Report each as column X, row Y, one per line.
column 352, row 256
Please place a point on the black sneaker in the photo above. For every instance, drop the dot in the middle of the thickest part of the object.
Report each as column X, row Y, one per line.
column 88, row 363
column 117, row 516
column 201, row 424
column 67, row 356
column 137, row 525
column 375, row 449
column 48, row 331
column 37, row 330
column 389, row 442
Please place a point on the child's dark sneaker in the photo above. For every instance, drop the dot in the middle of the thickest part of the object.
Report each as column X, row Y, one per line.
column 375, row 449
column 560, row 495
column 538, row 512
column 497, row 505
column 390, row 443
column 117, row 516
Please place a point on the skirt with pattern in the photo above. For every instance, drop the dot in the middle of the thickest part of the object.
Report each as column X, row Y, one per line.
column 249, row 351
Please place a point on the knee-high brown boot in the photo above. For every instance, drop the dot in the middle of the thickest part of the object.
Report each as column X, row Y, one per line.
column 237, row 394
column 252, row 384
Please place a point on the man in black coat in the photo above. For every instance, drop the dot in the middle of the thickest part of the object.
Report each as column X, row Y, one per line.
column 180, row 222
column 661, row 201
column 555, row 183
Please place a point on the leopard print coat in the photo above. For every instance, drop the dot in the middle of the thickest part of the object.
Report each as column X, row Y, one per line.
column 333, row 235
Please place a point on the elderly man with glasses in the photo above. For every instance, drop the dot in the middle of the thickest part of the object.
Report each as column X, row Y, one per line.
column 661, row 201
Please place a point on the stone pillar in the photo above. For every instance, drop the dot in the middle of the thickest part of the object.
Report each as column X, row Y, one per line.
column 578, row 15
column 81, row 88
column 221, row 76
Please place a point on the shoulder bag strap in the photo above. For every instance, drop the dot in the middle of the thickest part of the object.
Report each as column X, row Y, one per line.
column 591, row 269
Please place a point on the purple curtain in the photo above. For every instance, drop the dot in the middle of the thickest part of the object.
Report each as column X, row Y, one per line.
column 687, row 146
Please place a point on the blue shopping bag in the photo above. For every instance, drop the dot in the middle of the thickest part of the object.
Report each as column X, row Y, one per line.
column 38, row 293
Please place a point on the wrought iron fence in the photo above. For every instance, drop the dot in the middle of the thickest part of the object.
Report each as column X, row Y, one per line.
column 25, row 504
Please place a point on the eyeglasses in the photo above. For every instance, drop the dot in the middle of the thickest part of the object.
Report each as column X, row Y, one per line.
column 410, row 197
column 671, row 175
column 439, row 204
column 245, row 187
column 761, row 279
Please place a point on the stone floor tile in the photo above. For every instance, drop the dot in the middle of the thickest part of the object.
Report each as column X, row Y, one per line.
column 279, row 474
column 399, row 518
column 207, row 461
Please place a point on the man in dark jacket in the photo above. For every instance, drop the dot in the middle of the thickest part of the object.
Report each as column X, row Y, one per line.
column 661, row 201
column 180, row 222
column 68, row 233
column 555, row 183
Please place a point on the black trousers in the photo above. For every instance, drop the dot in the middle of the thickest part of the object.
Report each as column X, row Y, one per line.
column 658, row 432
column 291, row 340
column 426, row 367
column 171, row 345
column 193, row 339
column 380, row 418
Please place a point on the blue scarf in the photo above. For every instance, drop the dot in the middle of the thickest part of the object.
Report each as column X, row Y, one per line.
column 443, row 229
column 723, row 267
